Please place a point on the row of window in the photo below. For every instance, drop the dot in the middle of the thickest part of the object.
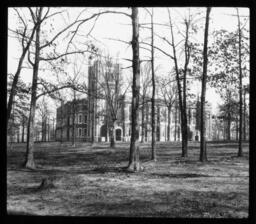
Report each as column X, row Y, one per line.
column 173, row 116
column 80, row 119
column 82, row 132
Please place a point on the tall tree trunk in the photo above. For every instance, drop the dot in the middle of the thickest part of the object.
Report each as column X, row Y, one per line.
column 175, row 125
column 184, row 122
column 112, row 134
column 48, row 128
column 43, row 129
column 228, row 126
column 53, row 130
column 240, row 149
column 29, row 162
column 177, row 79
column 169, row 123
column 203, row 156
column 237, row 128
column 107, row 133
column 146, row 126
column 143, row 120
column 134, row 165
column 73, row 119
column 61, row 130
column 93, row 120
column 23, row 129
column 244, row 115
column 153, row 143
column 18, row 135
column 123, row 112
column 158, row 132
column 184, row 112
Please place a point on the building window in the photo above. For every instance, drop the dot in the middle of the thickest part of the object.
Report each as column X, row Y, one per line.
column 85, row 131
column 80, row 118
column 79, row 132
column 85, row 119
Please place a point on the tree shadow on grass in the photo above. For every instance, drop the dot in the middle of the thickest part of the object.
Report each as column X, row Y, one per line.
column 18, row 190
column 178, row 175
column 179, row 203
column 110, row 170
column 88, row 170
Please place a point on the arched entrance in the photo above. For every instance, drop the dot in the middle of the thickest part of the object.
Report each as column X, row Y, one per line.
column 118, row 134
column 103, row 131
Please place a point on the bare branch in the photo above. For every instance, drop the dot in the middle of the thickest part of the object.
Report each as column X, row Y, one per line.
column 163, row 38
column 29, row 59
column 32, row 15
column 89, row 33
column 145, row 48
column 158, row 49
column 81, row 22
column 126, row 42
column 54, row 14
column 150, row 13
column 47, row 12
column 158, row 24
column 65, row 54
column 53, row 90
column 127, row 67
column 20, row 17
column 127, row 59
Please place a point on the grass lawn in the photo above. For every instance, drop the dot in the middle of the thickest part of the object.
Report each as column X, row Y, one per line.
column 91, row 181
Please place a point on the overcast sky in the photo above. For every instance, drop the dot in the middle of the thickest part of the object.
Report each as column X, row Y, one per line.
column 119, row 27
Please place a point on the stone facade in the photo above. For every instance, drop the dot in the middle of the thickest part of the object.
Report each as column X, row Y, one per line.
column 92, row 117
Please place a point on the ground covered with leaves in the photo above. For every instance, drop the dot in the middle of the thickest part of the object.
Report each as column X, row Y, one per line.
column 92, row 181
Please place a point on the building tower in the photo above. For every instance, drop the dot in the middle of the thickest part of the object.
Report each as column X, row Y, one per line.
column 93, row 75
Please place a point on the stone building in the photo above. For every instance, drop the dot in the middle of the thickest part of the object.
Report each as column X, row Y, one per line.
column 92, row 115
column 64, row 125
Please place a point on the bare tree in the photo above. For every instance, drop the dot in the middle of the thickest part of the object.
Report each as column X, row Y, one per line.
column 20, row 108
column 110, row 89
column 240, row 149
column 145, row 81
column 25, row 37
column 181, row 103
column 38, row 18
column 29, row 163
column 134, row 150
column 74, row 81
column 168, row 93
column 203, row 156
column 246, row 90
column 182, row 90
column 153, row 144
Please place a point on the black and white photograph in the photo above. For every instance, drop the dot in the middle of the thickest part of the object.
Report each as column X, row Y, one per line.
column 128, row 111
